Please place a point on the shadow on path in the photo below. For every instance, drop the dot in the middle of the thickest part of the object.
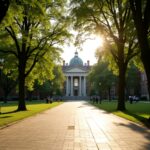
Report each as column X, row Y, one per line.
column 138, row 129
column 144, row 121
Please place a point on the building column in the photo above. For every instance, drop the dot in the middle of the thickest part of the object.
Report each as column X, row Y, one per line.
column 80, row 88
column 84, row 82
column 67, row 93
column 71, row 85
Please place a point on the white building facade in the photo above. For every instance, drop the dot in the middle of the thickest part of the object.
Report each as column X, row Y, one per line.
column 76, row 78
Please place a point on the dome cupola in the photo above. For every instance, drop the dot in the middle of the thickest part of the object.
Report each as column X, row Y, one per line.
column 76, row 61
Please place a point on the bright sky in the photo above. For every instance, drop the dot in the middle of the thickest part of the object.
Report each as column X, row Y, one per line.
column 88, row 52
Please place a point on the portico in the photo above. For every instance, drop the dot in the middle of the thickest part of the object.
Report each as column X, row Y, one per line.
column 76, row 85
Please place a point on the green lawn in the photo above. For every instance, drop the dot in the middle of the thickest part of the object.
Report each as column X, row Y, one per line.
column 136, row 112
column 7, row 115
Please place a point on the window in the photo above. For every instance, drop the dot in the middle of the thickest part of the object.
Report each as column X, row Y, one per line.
column 76, row 82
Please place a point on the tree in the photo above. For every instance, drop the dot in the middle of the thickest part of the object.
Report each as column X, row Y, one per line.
column 101, row 78
column 4, row 4
column 33, row 35
column 58, row 81
column 111, row 18
column 141, row 11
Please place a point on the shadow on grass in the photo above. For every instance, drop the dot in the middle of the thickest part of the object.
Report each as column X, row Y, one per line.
column 143, row 120
column 10, row 112
column 15, row 103
column 5, row 117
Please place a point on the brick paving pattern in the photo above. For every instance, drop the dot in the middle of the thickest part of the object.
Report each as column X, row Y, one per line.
column 75, row 126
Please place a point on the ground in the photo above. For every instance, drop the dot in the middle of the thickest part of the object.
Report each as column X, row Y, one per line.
column 75, row 125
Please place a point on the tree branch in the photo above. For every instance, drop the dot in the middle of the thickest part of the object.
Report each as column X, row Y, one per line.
column 17, row 22
column 12, row 34
column 32, row 66
column 9, row 52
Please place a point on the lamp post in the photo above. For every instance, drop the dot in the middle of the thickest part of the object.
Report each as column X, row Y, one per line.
column 99, row 91
column 51, row 89
column 1, row 64
column 1, row 67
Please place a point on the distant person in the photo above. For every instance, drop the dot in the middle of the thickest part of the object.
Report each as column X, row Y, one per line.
column 51, row 100
column 96, row 99
column 131, row 99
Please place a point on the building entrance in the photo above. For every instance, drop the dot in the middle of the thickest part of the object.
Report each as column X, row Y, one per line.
column 76, row 93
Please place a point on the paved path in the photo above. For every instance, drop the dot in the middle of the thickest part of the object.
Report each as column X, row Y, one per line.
column 75, row 126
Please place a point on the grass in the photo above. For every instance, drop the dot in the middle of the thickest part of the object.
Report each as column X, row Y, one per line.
column 7, row 115
column 136, row 112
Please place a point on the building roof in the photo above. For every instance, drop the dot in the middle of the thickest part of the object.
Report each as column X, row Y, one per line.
column 76, row 61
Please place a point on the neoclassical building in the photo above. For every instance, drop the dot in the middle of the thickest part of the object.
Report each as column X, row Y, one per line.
column 76, row 77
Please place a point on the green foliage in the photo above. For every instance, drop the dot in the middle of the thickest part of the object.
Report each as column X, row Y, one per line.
column 58, row 81
column 105, row 55
column 42, row 72
column 55, row 85
column 138, row 63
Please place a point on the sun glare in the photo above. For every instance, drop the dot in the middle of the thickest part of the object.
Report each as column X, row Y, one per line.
column 93, row 43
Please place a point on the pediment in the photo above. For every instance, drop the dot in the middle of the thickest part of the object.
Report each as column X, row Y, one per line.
column 75, row 70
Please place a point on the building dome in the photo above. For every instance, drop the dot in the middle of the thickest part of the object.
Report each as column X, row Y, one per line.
column 76, row 61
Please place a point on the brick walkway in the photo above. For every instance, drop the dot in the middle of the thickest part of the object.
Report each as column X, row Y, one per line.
column 75, row 126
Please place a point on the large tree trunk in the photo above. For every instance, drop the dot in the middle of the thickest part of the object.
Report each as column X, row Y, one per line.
column 145, row 52
column 141, row 22
column 21, row 103
column 121, row 88
column 122, row 66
